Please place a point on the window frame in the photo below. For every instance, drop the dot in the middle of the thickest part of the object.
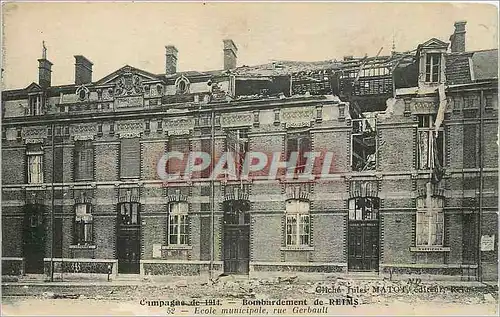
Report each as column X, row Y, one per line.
column 178, row 224
column 88, row 148
column 298, row 233
column 83, row 229
column 436, row 213
column 301, row 163
column 428, row 129
column 363, row 212
column 129, row 213
column 239, row 147
column 433, row 69
column 32, row 154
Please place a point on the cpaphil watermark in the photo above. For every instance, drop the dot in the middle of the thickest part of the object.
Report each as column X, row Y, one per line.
column 177, row 166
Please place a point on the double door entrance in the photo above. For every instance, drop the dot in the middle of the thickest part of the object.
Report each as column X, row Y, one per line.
column 236, row 253
column 363, row 234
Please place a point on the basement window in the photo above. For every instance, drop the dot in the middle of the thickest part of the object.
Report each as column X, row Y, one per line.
column 364, row 144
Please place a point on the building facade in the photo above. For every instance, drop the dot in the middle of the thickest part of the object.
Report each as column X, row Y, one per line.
column 411, row 185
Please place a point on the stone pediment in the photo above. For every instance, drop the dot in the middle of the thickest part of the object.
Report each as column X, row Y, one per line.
column 33, row 87
column 434, row 43
column 127, row 81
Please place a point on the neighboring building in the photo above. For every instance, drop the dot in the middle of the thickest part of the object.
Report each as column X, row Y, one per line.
column 80, row 182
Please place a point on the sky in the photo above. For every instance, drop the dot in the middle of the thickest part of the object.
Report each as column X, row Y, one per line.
column 115, row 34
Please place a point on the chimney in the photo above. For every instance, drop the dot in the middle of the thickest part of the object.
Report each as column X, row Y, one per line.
column 230, row 51
column 170, row 59
column 44, row 69
column 83, row 70
column 457, row 39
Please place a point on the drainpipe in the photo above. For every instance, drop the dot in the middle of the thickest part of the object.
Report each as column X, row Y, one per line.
column 52, row 225
column 481, row 163
column 212, row 192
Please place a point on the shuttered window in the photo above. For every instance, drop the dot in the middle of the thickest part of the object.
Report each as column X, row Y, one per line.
column 130, row 158
column 84, row 161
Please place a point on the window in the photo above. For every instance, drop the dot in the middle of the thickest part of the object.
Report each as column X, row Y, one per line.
column 363, row 208
column 430, row 221
column 237, row 144
column 432, row 67
column 300, row 143
column 130, row 158
column 128, row 213
column 35, row 164
column 177, row 144
column 84, row 160
column 430, row 143
column 83, row 224
column 364, row 144
column 35, row 105
column 178, row 223
column 298, row 231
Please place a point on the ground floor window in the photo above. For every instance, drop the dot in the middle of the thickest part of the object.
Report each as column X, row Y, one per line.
column 178, row 224
column 83, row 230
column 298, row 220
column 430, row 221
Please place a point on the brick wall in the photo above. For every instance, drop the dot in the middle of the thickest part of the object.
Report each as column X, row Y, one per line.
column 397, row 153
column 266, row 237
column 329, row 238
column 398, row 234
column 12, row 240
column 13, row 165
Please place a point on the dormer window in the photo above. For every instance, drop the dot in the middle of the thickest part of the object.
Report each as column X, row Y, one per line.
column 432, row 67
column 182, row 85
column 35, row 105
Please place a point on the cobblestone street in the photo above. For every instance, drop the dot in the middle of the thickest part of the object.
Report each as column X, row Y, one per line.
column 349, row 296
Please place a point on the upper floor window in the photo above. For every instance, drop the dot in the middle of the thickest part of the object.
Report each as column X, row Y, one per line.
column 130, row 158
column 178, row 224
column 83, row 224
column 364, row 144
column 430, row 143
column 430, row 221
column 432, row 67
column 177, row 143
column 298, row 144
column 34, row 155
column 237, row 145
column 298, row 223
column 84, row 160
column 35, row 106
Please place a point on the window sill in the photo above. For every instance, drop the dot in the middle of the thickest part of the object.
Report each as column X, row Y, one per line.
column 82, row 246
column 177, row 247
column 430, row 249
column 297, row 248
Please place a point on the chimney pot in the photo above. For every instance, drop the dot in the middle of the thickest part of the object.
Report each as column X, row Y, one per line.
column 457, row 39
column 170, row 59
column 83, row 70
column 230, row 56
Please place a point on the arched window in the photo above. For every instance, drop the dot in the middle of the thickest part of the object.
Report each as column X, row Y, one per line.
column 430, row 221
column 83, row 229
column 178, row 223
column 298, row 228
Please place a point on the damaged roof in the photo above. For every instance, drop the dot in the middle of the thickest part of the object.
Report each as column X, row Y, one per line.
column 485, row 64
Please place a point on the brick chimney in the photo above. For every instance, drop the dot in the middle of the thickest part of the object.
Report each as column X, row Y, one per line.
column 44, row 69
column 230, row 51
column 83, row 70
column 457, row 39
column 170, row 59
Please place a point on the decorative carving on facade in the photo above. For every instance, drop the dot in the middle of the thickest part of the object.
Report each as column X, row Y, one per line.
column 423, row 106
column 362, row 188
column 130, row 129
column 130, row 195
column 128, row 83
column 179, row 126
column 236, row 119
column 297, row 117
column 129, row 102
column 34, row 132
column 298, row 191
column 177, row 197
column 83, row 131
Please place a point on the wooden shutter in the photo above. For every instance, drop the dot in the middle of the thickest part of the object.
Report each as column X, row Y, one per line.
column 130, row 158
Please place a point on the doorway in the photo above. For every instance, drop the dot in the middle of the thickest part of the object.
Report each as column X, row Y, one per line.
column 363, row 234
column 236, row 253
column 34, row 238
column 128, row 245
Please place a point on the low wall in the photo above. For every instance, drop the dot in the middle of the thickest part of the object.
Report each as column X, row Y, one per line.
column 12, row 266
column 81, row 266
column 171, row 267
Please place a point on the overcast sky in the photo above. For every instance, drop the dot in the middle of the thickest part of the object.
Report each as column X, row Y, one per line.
column 114, row 34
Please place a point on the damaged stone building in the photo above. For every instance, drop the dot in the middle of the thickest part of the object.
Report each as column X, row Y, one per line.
column 414, row 188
